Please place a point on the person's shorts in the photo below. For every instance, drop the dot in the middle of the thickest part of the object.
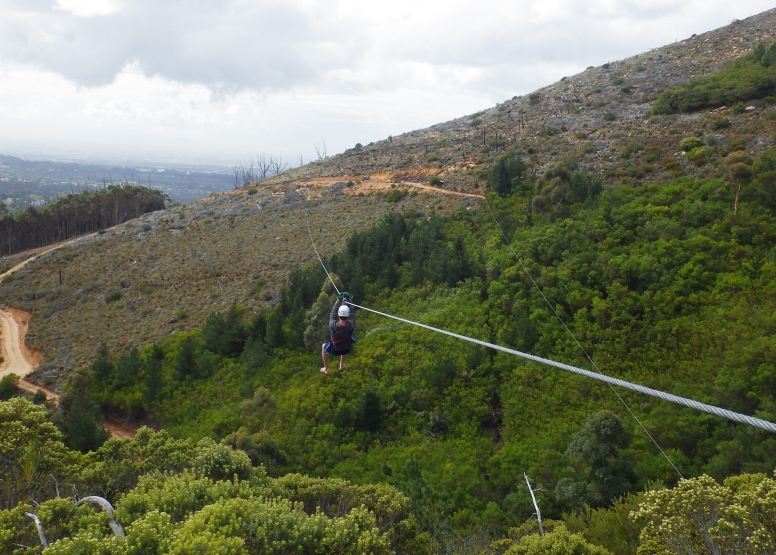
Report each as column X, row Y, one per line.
column 338, row 350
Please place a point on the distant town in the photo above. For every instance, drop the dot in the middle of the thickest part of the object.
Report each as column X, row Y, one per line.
column 26, row 183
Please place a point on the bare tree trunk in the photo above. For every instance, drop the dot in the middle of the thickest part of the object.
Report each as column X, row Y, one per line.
column 735, row 206
column 320, row 151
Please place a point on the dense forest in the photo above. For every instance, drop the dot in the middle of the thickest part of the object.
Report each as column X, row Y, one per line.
column 671, row 286
column 76, row 214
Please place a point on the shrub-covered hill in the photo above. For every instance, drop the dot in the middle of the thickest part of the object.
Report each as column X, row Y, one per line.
column 164, row 272
column 671, row 286
column 593, row 116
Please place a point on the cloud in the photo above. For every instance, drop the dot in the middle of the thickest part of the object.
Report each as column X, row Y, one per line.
column 280, row 44
column 238, row 44
column 251, row 75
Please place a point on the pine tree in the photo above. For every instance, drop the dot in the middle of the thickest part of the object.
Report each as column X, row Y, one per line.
column 153, row 374
column 78, row 417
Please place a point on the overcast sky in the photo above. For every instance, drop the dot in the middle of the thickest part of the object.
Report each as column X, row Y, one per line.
column 221, row 80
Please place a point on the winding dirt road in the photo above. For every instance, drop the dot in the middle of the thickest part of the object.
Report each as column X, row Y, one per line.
column 19, row 360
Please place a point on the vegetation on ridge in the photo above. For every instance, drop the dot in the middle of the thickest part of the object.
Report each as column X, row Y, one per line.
column 750, row 77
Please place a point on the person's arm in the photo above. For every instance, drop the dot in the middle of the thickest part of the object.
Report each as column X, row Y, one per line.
column 352, row 319
column 333, row 315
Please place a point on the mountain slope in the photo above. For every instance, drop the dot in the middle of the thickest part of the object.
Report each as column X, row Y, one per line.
column 570, row 118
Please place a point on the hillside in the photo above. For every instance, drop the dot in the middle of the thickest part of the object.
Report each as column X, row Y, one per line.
column 572, row 117
column 163, row 273
column 651, row 235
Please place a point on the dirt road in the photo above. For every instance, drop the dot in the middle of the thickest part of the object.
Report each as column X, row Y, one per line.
column 19, row 360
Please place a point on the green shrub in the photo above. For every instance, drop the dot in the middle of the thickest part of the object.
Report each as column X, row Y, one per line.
column 580, row 135
column 632, row 147
column 434, row 180
column 616, row 80
column 720, row 123
column 557, row 540
column 689, row 143
column 609, row 116
column 8, row 385
column 113, row 296
column 495, row 143
column 146, row 227
column 252, row 191
column 699, row 155
column 549, row 131
column 396, row 195
column 534, row 98
column 475, row 122
column 653, row 154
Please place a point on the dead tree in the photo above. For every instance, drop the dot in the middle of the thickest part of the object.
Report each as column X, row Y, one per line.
column 277, row 166
column 263, row 166
column 320, row 151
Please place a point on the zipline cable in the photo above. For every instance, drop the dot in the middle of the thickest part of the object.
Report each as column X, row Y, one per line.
column 318, row 254
column 703, row 407
column 574, row 337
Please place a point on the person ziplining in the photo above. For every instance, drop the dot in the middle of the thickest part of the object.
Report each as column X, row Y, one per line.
column 342, row 323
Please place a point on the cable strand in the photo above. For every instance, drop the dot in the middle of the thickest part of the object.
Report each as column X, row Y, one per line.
column 328, row 275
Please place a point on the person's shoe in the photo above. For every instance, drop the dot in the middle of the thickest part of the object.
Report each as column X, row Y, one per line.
column 324, row 371
column 342, row 368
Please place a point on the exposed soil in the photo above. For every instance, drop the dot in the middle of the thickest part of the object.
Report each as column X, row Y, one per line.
column 20, row 360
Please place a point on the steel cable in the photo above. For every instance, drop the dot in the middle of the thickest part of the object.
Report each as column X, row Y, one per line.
column 697, row 405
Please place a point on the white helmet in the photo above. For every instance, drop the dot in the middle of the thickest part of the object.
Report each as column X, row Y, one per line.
column 344, row 311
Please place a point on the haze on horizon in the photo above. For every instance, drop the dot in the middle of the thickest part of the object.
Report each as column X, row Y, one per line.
column 219, row 81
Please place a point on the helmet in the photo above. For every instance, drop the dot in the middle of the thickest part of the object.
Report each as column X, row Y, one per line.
column 343, row 312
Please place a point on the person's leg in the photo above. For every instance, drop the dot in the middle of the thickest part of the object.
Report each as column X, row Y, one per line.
column 342, row 362
column 325, row 358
